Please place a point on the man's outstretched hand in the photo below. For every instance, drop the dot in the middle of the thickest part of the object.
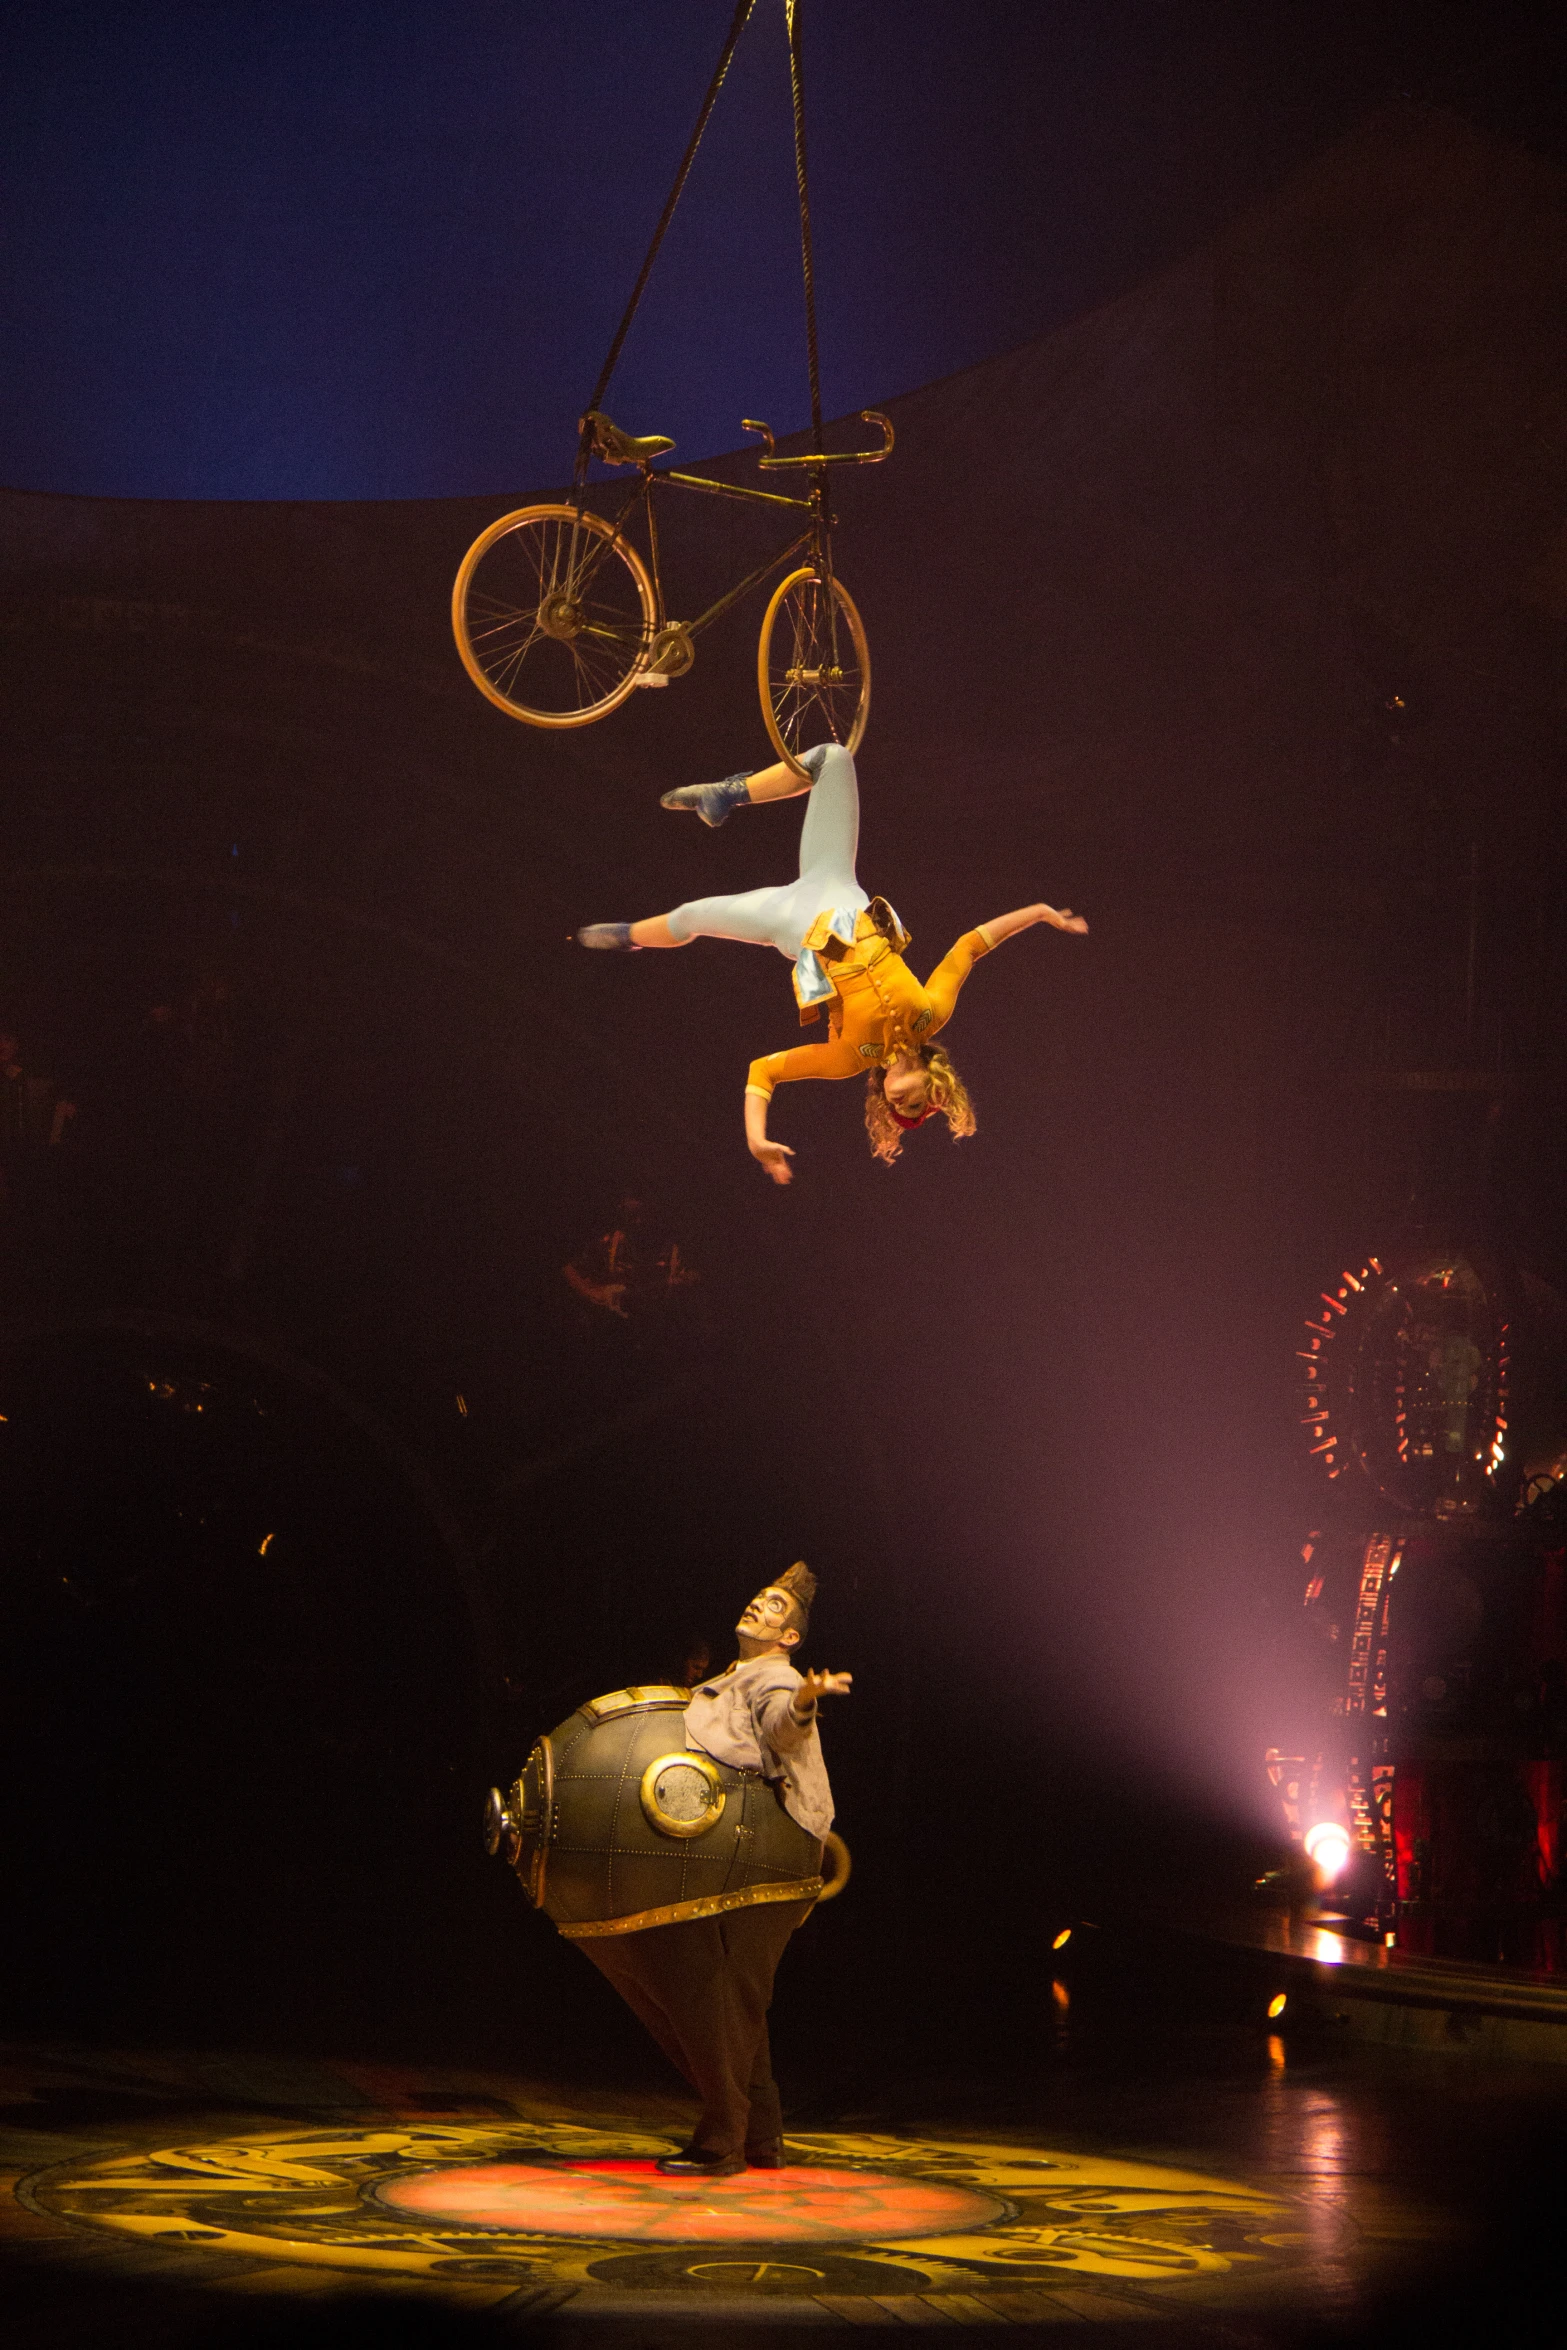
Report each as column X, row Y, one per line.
column 815, row 1685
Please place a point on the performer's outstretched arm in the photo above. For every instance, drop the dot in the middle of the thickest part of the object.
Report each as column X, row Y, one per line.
column 944, row 982
column 801, row 1060
column 787, row 1716
column 1008, row 925
column 774, row 1156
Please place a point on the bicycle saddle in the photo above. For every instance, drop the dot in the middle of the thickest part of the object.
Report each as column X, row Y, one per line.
column 621, row 448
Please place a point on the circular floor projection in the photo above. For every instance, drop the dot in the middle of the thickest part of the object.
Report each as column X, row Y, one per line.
column 806, row 2203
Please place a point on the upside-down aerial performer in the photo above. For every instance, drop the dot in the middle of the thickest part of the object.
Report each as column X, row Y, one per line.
column 847, row 950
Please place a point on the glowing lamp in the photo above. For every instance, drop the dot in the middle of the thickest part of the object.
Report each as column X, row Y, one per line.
column 1277, row 2004
column 1327, row 1848
column 1062, row 1939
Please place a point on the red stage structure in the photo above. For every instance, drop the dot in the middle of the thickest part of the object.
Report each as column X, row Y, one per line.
column 1436, row 1606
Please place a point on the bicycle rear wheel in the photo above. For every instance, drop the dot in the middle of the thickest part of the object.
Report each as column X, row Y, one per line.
column 813, row 666
column 553, row 612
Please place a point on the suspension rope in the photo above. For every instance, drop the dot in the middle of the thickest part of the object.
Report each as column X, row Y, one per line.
column 797, row 87
column 741, row 15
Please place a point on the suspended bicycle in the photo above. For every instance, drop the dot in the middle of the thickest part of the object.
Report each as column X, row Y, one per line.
column 558, row 615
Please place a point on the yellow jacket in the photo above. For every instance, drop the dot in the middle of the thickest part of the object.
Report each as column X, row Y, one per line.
column 878, row 1006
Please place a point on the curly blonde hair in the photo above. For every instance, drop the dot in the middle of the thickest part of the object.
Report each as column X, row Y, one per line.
column 946, row 1092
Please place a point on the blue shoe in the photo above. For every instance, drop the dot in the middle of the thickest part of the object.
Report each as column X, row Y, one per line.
column 711, row 801
column 608, row 934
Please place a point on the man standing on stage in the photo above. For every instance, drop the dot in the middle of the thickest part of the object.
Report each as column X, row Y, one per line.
column 703, row 1986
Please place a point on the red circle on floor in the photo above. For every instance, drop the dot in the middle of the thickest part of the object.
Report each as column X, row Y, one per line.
column 802, row 2204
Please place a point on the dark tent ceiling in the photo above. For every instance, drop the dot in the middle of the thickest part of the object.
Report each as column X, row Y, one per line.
column 1145, row 582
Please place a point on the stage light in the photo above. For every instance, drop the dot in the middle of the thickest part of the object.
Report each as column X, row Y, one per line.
column 1277, row 2004
column 1327, row 1848
column 1062, row 1997
column 1062, row 1939
column 266, row 1543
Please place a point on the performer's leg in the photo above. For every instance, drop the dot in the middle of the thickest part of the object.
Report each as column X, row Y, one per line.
column 830, row 835
column 715, row 803
column 751, row 917
column 754, row 1942
column 764, row 2127
column 681, row 1975
column 777, row 917
column 614, row 1957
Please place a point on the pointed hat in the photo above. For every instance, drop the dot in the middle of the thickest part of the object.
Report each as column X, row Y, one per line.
column 800, row 1583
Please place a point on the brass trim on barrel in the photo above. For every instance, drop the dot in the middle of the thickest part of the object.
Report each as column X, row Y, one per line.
column 641, row 1697
column 539, row 1864
column 675, row 1913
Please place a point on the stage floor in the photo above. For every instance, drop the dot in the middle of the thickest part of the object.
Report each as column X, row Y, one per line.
column 188, row 2198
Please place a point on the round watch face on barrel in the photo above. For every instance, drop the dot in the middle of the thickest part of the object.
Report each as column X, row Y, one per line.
column 682, row 1794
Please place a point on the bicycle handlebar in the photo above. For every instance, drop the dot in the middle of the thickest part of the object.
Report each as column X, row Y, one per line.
column 828, row 456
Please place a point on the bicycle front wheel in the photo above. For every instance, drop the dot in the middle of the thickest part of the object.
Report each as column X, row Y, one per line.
column 813, row 666
column 553, row 612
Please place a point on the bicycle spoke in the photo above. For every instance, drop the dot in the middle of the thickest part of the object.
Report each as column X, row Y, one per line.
column 563, row 560
column 602, row 653
column 553, row 615
column 590, row 687
column 600, row 676
column 499, row 626
column 487, row 606
column 816, row 681
column 507, row 618
column 506, row 671
column 799, row 705
column 505, row 660
column 586, row 566
column 621, row 628
column 536, row 554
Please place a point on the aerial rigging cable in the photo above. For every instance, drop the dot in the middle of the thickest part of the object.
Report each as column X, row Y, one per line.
column 797, row 94
column 558, row 617
column 741, row 19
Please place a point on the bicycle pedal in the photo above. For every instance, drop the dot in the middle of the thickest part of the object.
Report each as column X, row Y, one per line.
column 650, row 677
column 671, row 653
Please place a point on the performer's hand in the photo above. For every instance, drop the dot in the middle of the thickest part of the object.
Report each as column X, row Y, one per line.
column 775, row 1157
column 815, row 1685
column 1003, row 926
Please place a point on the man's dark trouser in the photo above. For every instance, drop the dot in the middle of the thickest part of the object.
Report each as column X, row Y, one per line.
column 703, row 1989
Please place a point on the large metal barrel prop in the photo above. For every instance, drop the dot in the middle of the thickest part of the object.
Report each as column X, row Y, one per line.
column 615, row 1825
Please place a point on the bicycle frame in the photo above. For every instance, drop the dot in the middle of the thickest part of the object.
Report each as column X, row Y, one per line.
column 817, row 534
column 642, row 496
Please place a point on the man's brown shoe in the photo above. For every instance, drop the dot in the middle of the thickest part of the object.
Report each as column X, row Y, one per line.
column 767, row 2157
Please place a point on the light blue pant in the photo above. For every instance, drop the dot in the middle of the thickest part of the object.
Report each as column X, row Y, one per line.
column 829, row 838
